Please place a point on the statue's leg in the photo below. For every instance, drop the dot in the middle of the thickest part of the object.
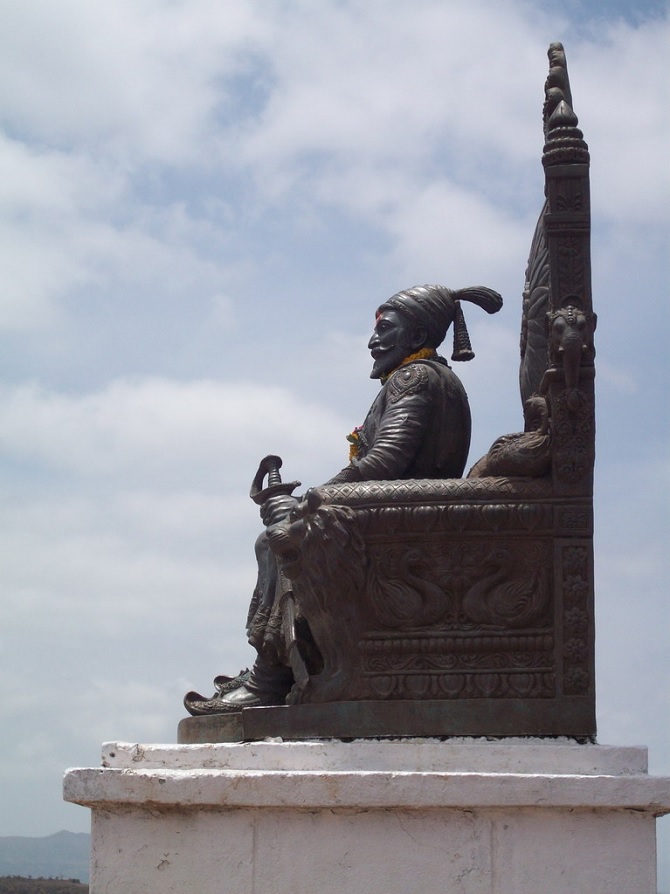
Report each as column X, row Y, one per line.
column 271, row 677
column 270, row 682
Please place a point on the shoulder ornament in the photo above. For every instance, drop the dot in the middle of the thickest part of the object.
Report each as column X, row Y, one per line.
column 408, row 380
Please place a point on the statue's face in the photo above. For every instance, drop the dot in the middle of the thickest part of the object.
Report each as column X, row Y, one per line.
column 393, row 339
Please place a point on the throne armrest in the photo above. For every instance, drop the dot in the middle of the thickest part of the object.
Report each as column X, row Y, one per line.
column 423, row 491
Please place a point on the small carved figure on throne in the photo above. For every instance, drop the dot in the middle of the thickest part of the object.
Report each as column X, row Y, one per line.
column 418, row 427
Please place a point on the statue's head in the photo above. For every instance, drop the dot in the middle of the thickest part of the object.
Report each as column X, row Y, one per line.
column 419, row 318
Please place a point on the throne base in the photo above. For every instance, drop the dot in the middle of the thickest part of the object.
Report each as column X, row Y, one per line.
column 568, row 716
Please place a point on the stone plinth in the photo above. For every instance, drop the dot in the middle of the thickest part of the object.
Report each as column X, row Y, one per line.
column 385, row 817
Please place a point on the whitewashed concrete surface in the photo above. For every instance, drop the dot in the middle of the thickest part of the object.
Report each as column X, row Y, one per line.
column 521, row 755
column 386, row 817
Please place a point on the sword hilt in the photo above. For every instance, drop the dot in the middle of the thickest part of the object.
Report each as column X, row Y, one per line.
column 270, row 466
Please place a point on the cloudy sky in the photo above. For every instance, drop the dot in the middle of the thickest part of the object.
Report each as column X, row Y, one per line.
column 201, row 204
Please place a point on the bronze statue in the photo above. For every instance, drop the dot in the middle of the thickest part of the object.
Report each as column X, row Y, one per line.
column 400, row 598
column 418, row 427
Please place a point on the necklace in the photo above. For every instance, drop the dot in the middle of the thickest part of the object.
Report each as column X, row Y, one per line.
column 423, row 354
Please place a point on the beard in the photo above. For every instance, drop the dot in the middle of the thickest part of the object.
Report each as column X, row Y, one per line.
column 388, row 359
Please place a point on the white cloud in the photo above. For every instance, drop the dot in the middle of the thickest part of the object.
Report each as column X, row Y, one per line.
column 127, row 547
column 406, row 58
column 70, row 223
column 44, row 197
column 136, row 79
column 620, row 94
column 453, row 233
column 621, row 380
column 159, row 430
column 412, row 153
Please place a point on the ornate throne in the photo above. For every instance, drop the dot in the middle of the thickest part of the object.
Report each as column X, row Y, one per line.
column 465, row 606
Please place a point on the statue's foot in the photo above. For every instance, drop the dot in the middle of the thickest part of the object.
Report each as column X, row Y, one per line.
column 197, row 704
column 235, row 700
column 223, row 684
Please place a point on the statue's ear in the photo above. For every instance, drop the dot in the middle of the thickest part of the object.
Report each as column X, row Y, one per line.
column 420, row 337
column 313, row 499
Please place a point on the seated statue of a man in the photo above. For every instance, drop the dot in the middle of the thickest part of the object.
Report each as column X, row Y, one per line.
column 417, row 427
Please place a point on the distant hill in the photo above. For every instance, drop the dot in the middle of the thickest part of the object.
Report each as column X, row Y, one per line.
column 64, row 855
column 13, row 884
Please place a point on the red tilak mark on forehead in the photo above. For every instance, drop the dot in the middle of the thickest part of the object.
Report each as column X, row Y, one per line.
column 378, row 314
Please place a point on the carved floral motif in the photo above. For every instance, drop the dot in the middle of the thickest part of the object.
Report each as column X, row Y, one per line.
column 577, row 619
column 573, row 431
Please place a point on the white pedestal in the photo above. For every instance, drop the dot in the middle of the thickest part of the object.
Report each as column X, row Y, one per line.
column 463, row 816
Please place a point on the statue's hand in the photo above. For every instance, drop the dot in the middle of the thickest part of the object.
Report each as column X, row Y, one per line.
column 277, row 508
column 349, row 473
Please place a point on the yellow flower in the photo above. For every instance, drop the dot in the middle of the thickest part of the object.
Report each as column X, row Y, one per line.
column 354, row 443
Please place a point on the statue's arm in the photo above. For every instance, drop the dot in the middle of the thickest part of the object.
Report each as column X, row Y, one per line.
column 398, row 438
